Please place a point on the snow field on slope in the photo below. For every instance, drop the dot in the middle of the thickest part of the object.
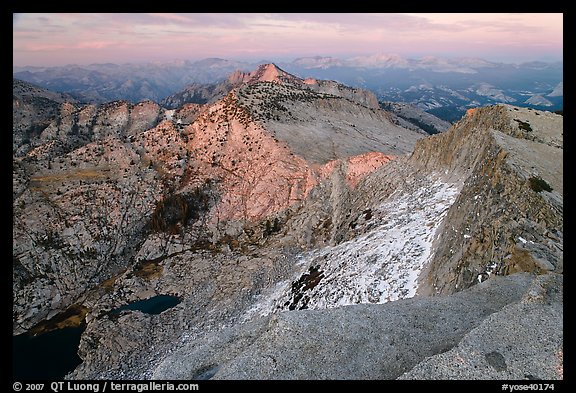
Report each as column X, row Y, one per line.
column 378, row 266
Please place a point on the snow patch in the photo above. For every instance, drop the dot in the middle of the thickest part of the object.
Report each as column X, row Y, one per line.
column 378, row 266
column 538, row 100
column 490, row 268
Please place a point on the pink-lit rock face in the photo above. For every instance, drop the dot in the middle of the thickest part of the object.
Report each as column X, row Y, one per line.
column 271, row 73
column 264, row 73
column 256, row 174
column 187, row 113
column 164, row 149
column 355, row 168
column 268, row 73
column 254, row 171
column 237, row 77
column 362, row 165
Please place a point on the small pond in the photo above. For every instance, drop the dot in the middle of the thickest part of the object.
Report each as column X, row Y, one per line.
column 153, row 305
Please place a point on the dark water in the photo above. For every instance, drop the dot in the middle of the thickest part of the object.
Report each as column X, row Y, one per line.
column 153, row 305
column 50, row 355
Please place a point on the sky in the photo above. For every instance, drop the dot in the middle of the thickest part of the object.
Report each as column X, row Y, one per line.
column 58, row 39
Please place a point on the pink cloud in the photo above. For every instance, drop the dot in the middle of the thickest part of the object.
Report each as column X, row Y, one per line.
column 96, row 44
column 196, row 36
column 80, row 45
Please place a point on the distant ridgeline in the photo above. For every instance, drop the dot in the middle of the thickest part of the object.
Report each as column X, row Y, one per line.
column 442, row 87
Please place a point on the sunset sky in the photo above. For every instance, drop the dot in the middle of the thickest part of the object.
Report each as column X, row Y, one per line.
column 59, row 39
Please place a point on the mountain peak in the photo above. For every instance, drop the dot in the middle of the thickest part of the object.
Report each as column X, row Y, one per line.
column 270, row 72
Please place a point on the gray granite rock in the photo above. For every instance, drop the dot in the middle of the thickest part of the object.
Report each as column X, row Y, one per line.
column 351, row 342
column 522, row 341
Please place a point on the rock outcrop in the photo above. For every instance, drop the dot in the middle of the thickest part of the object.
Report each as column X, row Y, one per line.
column 33, row 108
column 210, row 93
column 523, row 341
column 509, row 214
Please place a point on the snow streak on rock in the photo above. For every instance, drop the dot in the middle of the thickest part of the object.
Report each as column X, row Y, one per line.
column 381, row 265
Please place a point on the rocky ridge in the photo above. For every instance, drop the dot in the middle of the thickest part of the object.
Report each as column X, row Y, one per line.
column 33, row 108
column 201, row 94
column 246, row 238
column 412, row 117
column 510, row 207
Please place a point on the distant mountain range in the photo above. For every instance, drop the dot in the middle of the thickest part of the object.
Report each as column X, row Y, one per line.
column 98, row 83
column 444, row 87
column 441, row 86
